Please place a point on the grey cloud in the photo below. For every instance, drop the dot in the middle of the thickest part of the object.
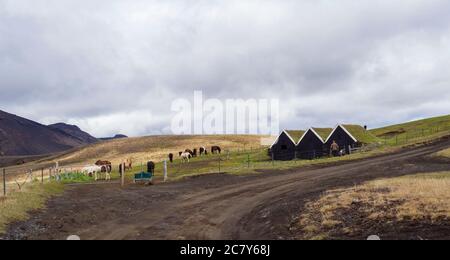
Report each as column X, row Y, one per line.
column 329, row 61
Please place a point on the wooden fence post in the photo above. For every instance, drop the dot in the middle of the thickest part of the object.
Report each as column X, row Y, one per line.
column 165, row 170
column 4, row 182
column 122, row 173
column 219, row 164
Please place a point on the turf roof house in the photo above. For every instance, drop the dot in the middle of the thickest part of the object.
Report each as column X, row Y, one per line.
column 284, row 148
column 316, row 142
column 349, row 136
column 311, row 144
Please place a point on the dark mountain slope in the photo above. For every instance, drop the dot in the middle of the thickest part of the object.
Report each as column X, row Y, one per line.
column 20, row 136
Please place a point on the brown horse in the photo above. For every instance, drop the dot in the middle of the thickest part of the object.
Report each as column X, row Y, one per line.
column 128, row 165
column 106, row 166
column 171, row 157
column 216, row 149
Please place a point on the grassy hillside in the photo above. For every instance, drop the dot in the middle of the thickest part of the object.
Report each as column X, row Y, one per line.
column 426, row 126
column 362, row 134
column 142, row 149
column 408, row 132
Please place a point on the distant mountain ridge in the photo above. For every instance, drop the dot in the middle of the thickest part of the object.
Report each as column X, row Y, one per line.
column 21, row 137
column 118, row 136
column 74, row 131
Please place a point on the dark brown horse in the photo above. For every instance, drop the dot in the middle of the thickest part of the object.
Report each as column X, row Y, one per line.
column 171, row 157
column 150, row 167
column 216, row 149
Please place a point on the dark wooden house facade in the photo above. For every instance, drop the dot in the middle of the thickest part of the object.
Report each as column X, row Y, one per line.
column 310, row 146
column 343, row 138
column 284, row 148
column 316, row 142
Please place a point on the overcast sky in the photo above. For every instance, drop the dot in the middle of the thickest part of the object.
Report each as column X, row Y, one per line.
column 114, row 66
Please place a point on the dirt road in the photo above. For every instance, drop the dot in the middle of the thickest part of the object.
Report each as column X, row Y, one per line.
column 219, row 206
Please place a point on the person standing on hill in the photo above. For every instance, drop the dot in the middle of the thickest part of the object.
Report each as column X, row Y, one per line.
column 334, row 149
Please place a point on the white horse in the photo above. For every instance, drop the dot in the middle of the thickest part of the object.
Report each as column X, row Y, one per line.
column 185, row 157
column 97, row 172
column 91, row 169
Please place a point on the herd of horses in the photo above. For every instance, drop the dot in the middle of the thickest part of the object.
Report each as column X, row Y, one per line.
column 188, row 154
column 102, row 169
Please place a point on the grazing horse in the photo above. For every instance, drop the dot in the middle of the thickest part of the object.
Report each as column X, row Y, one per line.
column 151, row 167
column 105, row 168
column 128, row 165
column 171, row 157
column 203, row 151
column 216, row 149
column 186, row 157
column 102, row 167
column 180, row 153
column 194, row 153
column 189, row 151
column 103, row 163
column 91, row 170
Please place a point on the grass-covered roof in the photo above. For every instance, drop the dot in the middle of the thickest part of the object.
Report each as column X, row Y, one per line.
column 295, row 134
column 361, row 134
column 323, row 132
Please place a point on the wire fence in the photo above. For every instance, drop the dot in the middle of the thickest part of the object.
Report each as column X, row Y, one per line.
column 234, row 159
column 16, row 181
column 402, row 137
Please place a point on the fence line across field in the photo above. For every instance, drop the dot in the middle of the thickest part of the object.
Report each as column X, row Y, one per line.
column 215, row 163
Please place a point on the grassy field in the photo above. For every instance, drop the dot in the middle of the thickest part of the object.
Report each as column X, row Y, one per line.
column 411, row 131
column 141, row 149
column 241, row 162
column 17, row 206
column 416, row 197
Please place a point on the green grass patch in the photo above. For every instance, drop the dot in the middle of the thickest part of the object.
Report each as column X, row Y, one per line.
column 16, row 206
column 361, row 134
column 73, row 177
column 412, row 131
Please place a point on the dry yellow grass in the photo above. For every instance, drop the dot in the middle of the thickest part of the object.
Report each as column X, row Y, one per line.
column 17, row 206
column 141, row 149
column 444, row 153
column 155, row 147
column 424, row 196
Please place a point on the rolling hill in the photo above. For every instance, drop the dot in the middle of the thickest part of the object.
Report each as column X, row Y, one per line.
column 428, row 125
column 22, row 137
